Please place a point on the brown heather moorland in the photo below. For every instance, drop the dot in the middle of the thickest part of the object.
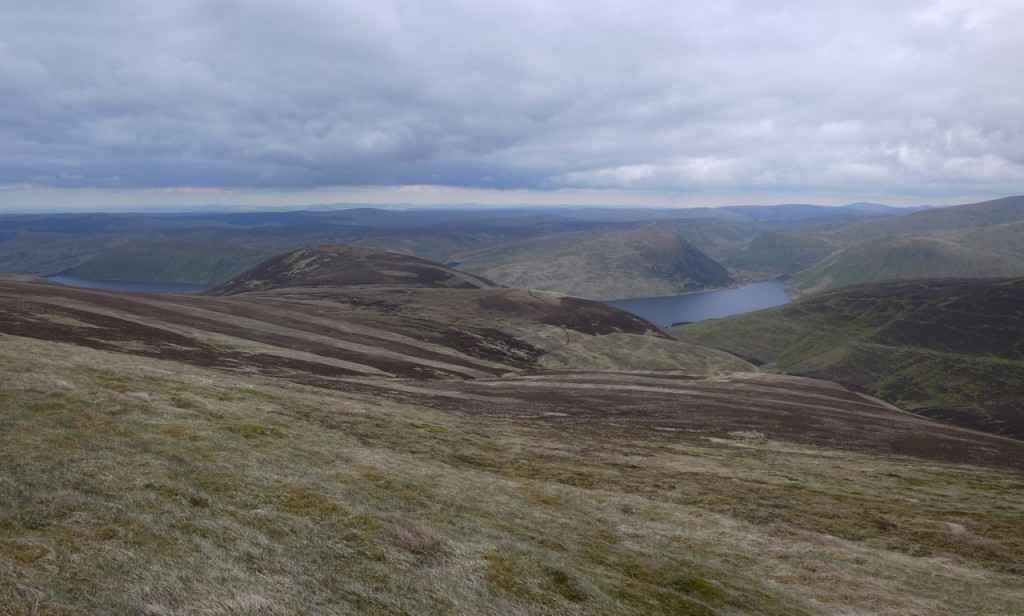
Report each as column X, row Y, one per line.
column 379, row 449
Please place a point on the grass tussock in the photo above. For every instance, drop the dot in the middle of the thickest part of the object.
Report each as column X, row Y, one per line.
column 413, row 537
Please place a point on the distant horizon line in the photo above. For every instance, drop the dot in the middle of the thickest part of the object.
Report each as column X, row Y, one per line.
column 30, row 199
column 220, row 208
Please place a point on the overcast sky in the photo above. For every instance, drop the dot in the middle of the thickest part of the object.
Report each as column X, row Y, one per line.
column 520, row 101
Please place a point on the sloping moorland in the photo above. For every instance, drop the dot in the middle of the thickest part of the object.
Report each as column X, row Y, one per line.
column 606, row 265
column 966, row 241
column 951, row 349
column 379, row 448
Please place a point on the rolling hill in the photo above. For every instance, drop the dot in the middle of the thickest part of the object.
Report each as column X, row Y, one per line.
column 208, row 249
column 194, row 263
column 778, row 254
column 976, row 240
column 606, row 265
column 340, row 266
column 289, row 311
column 349, row 431
column 950, row 349
column 956, row 218
column 909, row 257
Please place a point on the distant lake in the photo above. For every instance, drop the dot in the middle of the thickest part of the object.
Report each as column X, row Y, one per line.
column 128, row 285
column 710, row 305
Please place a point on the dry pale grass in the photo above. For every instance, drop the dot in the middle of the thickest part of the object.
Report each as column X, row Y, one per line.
column 413, row 537
column 137, row 486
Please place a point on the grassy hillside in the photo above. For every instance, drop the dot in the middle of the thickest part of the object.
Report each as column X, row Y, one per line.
column 169, row 262
column 977, row 240
column 712, row 237
column 173, row 455
column 40, row 254
column 974, row 215
column 912, row 257
column 778, row 254
column 1008, row 238
column 600, row 264
column 949, row 349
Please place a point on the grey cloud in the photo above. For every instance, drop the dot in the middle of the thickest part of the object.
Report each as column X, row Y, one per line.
column 654, row 95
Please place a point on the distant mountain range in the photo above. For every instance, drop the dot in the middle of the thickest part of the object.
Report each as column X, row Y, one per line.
column 600, row 253
column 606, row 253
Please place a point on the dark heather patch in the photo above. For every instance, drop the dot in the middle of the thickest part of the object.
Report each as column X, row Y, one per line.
column 596, row 319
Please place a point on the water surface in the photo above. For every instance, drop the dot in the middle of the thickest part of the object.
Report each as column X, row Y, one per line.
column 129, row 285
column 695, row 307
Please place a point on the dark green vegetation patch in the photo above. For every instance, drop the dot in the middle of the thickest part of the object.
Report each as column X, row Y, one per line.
column 946, row 348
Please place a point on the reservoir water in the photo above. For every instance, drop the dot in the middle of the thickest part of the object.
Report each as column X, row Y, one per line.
column 128, row 285
column 695, row 307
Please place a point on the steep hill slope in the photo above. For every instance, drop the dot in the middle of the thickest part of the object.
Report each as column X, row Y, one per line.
column 1007, row 237
column 977, row 240
column 778, row 254
column 714, row 238
column 908, row 257
column 605, row 265
column 194, row 263
column 969, row 216
column 947, row 348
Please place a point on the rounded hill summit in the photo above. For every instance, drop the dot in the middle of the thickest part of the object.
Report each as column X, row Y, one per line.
column 332, row 265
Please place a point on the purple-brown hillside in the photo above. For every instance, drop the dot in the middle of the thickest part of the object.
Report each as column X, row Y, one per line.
column 340, row 266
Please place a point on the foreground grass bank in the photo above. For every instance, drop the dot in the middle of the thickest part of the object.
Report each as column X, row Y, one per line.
column 136, row 485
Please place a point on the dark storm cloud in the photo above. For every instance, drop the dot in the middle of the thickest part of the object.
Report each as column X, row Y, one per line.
column 919, row 97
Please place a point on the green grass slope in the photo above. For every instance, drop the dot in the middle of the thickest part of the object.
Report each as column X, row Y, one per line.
column 976, row 240
column 912, row 257
column 778, row 254
column 714, row 238
column 949, row 349
column 40, row 254
column 602, row 264
column 1008, row 238
column 169, row 262
column 969, row 216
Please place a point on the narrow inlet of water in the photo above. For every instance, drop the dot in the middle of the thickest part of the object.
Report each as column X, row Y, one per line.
column 695, row 307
